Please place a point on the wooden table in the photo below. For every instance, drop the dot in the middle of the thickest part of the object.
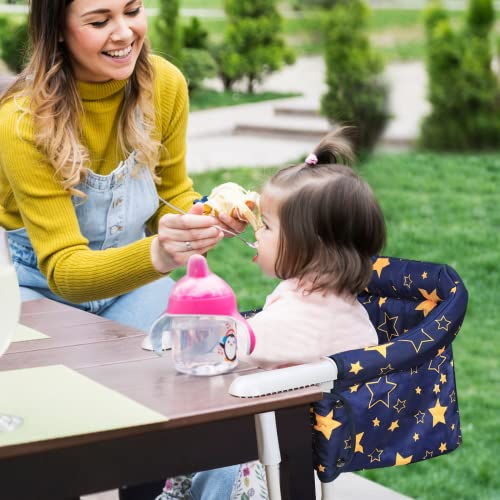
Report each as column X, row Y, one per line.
column 207, row 427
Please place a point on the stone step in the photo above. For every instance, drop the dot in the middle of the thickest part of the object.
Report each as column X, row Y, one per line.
column 305, row 126
column 298, row 110
column 303, row 118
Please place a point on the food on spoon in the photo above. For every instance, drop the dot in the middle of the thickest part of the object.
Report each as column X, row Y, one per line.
column 232, row 199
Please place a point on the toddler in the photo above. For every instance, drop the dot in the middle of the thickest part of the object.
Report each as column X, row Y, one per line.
column 321, row 226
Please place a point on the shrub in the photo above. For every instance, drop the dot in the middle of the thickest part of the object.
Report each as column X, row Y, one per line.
column 433, row 15
column 13, row 43
column 194, row 36
column 356, row 93
column 463, row 89
column 480, row 17
column 254, row 45
column 197, row 64
column 168, row 36
column 228, row 68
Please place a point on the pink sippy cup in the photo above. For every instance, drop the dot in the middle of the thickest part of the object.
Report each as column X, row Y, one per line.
column 206, row 330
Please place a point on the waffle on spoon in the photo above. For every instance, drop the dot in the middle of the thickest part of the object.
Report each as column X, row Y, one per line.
column 232, row 199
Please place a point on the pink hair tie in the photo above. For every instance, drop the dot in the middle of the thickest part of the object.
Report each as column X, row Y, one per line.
column 312, row 159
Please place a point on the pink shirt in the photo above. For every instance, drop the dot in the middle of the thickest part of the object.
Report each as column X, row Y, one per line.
column 295, row 328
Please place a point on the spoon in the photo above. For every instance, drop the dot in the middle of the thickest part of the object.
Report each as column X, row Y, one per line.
column 227, row 231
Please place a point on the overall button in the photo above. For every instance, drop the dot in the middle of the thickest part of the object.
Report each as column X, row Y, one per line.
column 115, row 229
column 339, row 404
column 117, row 202
column 340, row 462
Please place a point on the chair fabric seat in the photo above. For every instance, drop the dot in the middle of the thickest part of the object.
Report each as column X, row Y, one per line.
column 395, row 403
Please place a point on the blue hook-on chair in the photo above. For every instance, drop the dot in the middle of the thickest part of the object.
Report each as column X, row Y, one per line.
column 391, row 404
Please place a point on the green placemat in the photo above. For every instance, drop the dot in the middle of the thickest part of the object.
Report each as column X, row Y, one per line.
column 56, row 401
column 26, row 333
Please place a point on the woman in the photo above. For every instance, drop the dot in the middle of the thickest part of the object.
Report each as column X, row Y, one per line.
column 92, row 133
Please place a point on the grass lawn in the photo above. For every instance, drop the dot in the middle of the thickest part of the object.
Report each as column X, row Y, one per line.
column 440, row 208
column 206, row 98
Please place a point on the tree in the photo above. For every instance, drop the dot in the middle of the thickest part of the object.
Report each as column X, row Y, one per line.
column 463, row 89
column 167, row 29
column 253, row 42
column 356, row 94
column 194, row 35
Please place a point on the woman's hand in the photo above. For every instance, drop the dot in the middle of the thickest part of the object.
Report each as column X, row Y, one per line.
column 180, row 236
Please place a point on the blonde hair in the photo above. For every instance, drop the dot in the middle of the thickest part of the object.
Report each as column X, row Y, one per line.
column 55, row 105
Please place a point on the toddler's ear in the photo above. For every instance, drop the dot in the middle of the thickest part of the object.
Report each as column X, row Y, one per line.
column 196, row 209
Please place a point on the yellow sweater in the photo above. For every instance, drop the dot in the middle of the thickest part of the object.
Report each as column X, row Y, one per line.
column 31, row 196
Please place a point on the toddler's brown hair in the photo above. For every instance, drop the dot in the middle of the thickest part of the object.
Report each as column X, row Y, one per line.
column 330, row 221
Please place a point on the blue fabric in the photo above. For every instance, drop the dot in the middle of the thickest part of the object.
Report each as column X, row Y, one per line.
column 395, row 403
column 215, row 484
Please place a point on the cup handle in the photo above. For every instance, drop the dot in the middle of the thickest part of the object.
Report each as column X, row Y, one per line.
column 162, row 324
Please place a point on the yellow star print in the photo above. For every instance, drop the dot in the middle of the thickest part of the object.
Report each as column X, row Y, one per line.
column 385, row 382
column 436, row 389
column 418, row 390
column 381, row 349
column 442, row 378
column 380, row 264
column 376, row 422
column 326, row 425
column 321, row 468
column 394, row 425
column 355, row 368
column 430, row 302
column 420, row 417
column 400, row 405
column 382, row 301
column 427, row 338
column 437, row 413
column 359, row 447
column 375, row 455
column 438, row 360
column 354, row 388
column 400, row 460
column 389, row 322
column 416, row 437
column 424, row 275
column 386, row 369
column 443, row 323
column 442, row 448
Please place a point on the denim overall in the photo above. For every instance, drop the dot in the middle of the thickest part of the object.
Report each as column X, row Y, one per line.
column 113, row 215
